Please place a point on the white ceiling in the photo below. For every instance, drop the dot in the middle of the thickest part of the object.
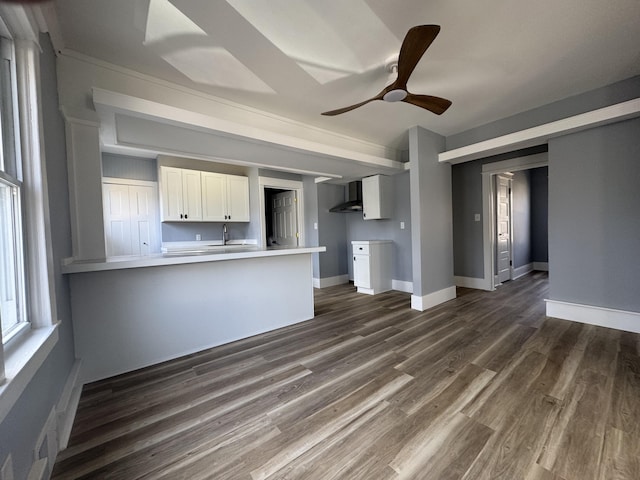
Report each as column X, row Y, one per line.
column 298, row 58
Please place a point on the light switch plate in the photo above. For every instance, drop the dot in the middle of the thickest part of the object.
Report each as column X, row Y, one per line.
column 477, row 217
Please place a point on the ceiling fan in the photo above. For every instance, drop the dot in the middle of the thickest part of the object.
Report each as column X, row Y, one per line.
column 415, row 43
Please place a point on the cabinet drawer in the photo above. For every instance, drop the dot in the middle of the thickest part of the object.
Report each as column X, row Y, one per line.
column 360, row 249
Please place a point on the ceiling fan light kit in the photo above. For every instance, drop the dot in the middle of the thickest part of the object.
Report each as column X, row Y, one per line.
column 415, row 43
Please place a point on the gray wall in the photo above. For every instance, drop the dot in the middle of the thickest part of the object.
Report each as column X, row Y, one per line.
column 135, row 168
column 431, row 214
column 20, row 429
column 594, row 220
column 332, row 231
column 310, row 188
column 540, row 214
column 387, row 229
column 521, row 197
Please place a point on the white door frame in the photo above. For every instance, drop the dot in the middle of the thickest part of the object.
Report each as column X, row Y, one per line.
column 281, row 184
column 489, row 170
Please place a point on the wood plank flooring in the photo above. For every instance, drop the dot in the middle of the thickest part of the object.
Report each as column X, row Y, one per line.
column 481, row 387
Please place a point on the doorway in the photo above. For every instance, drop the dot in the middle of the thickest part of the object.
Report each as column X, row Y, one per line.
column 282, row 212
column 504, row 230
column 489, row 210
column 281, row 217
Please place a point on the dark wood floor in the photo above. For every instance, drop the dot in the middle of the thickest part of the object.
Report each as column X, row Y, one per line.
column 482, row 387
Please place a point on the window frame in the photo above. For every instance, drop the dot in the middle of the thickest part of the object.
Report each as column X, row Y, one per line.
column 24, row 354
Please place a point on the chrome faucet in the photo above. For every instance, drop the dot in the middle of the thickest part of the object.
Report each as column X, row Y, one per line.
column 224, row 234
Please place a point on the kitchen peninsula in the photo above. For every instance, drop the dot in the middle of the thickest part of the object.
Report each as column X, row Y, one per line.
column 138, row 311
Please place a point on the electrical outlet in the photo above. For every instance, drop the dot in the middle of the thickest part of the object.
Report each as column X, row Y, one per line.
column 315, row 225
column 476, row 217
column 198, row 237
column 401, row 225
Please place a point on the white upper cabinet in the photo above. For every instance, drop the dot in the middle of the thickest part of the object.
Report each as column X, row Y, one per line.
column 195, row 196
column 376, row 197
column 237, row 198
column 214, row 197
column 181, row 195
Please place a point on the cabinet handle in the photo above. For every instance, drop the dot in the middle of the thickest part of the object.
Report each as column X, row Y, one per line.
column 364, row 215
column 185, row 216
column 354, row 259
column 229, row 217
column 181, row 216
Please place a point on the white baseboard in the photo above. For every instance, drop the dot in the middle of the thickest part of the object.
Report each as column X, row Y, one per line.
column 603, row 317
column 521, row 271
column 330, row 281
column 45, row 450
column 432, row 299
column 470, row 282
column 68, row 404
column 541, row 266
column 402, row 286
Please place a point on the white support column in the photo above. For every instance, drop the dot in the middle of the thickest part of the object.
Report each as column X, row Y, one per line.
column 85, row 188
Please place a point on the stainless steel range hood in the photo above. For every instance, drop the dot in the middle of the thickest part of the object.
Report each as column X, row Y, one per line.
column 354, row 199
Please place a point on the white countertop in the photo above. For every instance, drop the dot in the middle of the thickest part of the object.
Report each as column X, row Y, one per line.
column 231, row 252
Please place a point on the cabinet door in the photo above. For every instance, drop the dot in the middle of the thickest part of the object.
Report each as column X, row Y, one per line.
column 192, row 195
column 143, row 212
column 130, row 219
column 117, row 223
column 171, row 194
column 376, row 197
column 214, row 197
column 237, row 198
column 361, row 271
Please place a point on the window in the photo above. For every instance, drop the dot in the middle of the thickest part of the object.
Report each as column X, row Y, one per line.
column 12, row 274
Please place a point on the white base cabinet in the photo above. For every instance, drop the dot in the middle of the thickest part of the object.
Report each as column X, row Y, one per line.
column 372, row 265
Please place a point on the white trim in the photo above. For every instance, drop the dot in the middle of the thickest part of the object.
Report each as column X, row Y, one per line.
column 402, row 286
column 280, row 183
column 592, row 315
column 224, row 102
column 130, row 181
column 46, row 447
column 542, row 133
column 23, row 357
column 68, row 404
column 330, row 281
column 470, row 282
column 38, row 470
column 108, row 102
column 6, row 472
column 488, row 206
column 432, row 299
column 21, row 21
column 541, row 266
column 521, row 271
column 517, row 164
column 39, row 253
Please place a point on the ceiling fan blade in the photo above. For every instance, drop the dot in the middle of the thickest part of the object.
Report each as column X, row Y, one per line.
column 331, row 113
column 415, row 43
column 436, row 105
